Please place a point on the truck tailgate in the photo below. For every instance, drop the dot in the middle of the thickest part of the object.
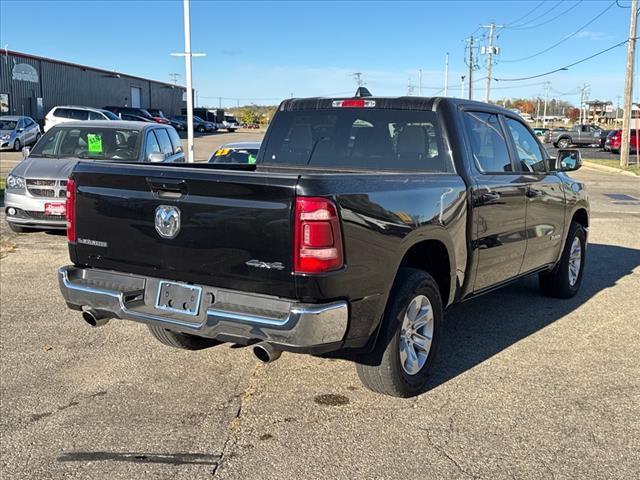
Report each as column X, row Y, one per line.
column 235, row 227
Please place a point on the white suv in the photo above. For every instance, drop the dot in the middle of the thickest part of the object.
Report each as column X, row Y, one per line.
column 71, row 113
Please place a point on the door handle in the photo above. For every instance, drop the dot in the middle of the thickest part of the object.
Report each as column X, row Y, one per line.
column 168, row 187
column 489, row 197
column 533, row 193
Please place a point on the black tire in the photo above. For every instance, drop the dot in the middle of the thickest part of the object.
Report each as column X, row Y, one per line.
column 16, row 228
column 557, row 283
column 183, row 341
column 388, row 376
column 616, row 151
column 17, row 146
column 564, row 143
column 38, row 135
column 231, row 130
column 201, row 129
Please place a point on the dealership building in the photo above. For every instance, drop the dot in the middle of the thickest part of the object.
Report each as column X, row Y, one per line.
column 32, row 85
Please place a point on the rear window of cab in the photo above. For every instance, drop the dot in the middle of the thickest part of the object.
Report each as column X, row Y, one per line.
column 357, row 138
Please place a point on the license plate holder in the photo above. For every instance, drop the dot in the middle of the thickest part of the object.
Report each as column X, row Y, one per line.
column 179, row 298
column 57, row 208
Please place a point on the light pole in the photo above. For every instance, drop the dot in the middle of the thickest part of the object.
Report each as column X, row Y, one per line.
column 187, row 54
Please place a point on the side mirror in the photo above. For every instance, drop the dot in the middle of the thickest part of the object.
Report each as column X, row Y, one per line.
column 25, row 152
column 156, row 157
column 568, row 160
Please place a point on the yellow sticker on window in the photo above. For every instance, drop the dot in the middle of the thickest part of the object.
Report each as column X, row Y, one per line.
column 222, row 152
column 94, row 141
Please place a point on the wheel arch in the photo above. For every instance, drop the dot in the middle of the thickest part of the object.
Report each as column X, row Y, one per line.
column 436, row 258
column 581, row 216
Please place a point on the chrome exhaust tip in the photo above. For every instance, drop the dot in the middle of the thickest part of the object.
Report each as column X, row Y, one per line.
column 266, row 353
column 95, row 318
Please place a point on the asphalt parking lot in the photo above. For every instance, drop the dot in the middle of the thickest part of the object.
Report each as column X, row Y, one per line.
column 525, row 386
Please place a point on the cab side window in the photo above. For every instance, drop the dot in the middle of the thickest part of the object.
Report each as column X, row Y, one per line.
column 530, row 158
column 151, row 145
column 488, row 143
column 164, row 141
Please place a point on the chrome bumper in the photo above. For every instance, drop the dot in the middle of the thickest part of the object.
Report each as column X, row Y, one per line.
column 223, row 314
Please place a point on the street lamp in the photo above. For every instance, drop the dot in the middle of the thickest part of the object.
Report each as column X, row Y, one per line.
column 187, row 54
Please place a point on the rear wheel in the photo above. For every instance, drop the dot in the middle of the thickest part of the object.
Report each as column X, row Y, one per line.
column 17, row 146
column 564, row 143
column 565, row 279
column 409, row 337
column 181, row 340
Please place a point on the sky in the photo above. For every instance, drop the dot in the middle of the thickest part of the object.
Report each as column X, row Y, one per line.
column 262, row 52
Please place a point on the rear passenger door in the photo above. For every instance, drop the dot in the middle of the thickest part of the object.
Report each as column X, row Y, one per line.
column 545, row 203
column 498, row 200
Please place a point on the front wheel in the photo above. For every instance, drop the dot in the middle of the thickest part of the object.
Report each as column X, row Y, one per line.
column 564, row 143
column 409, row 338
column 17, row 146
column 201, row 129
column 565, row 279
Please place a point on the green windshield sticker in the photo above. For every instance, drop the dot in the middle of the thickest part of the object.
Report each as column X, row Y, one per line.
column 252, row 159
column 94, row 141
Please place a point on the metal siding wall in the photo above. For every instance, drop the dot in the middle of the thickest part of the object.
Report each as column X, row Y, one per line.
column 69, row 85
column 20, row 92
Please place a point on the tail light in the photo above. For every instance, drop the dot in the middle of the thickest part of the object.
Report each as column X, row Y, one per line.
column 317, row 237
column 70, row 209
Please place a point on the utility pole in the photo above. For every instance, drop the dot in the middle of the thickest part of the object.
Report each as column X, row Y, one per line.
column 174, row 77
column 359, row 80
column 490, row 53
column 547, row 86
column 583, row 99
column 471, row 67
column 446, row 74
column 537, row 111
column 627, row 111
column 420, row 82
column 409, row 87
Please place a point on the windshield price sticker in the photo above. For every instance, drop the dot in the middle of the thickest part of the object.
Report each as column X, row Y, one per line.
column 94, row 141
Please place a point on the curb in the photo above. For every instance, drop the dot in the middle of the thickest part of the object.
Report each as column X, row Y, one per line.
column 604, row 168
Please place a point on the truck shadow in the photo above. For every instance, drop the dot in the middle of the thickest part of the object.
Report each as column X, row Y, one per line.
column 163, row 458
column 476, row 330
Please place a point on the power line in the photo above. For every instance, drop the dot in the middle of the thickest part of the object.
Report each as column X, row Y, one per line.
column 527, row 14
column 556, row 5
column 565, row 38
column 561, row 68
column 553, row 19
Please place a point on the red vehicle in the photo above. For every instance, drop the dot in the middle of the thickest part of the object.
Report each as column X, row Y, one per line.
column 614, row 141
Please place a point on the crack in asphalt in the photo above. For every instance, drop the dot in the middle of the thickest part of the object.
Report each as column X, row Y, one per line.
column 231, row 438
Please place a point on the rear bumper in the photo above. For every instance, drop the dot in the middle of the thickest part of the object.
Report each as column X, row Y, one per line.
column 223, row 314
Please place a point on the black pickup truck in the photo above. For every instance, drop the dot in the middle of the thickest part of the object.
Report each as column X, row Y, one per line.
column 361, row 221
